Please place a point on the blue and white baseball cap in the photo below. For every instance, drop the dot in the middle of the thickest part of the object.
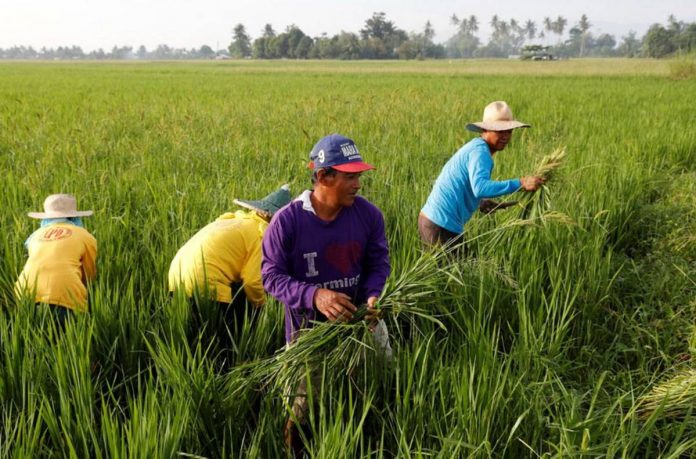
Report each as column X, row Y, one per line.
column 337, row 152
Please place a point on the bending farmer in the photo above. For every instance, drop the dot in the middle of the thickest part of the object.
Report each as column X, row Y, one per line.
column 221, row 264
column 62, row 258
column 465, row 184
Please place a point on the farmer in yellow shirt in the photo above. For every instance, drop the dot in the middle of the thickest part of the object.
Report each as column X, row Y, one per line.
column 62, row 258
column 222, row 262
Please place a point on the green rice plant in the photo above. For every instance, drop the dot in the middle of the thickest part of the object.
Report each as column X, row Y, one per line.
column 189, row 374
column 157, row 426
column 23, row 433
column 683, row 67
column 543, row 345
column 538, row 204
column 68, row 409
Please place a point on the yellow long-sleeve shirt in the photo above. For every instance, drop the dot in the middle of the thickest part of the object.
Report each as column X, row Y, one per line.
column 62, row 258
column 224, row 252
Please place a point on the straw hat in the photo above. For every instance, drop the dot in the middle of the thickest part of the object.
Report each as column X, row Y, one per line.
column 497, row 116
column 271, row 203
column 60, row 206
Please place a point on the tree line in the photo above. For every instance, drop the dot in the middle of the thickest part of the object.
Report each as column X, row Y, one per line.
column 117, row 52
column 380, row 38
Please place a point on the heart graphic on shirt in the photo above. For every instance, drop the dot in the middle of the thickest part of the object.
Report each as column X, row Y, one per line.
column 343, row 256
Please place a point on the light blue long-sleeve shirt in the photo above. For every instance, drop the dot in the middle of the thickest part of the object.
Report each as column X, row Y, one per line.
column 463, row 182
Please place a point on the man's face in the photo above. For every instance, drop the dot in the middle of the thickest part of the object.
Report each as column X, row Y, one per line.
column 343, row 187
column 497, row 140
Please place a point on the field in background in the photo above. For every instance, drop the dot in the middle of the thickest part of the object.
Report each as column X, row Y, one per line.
column 554, row 332
column 574, row 67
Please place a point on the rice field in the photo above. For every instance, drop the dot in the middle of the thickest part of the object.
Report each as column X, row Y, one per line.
column 566, row 335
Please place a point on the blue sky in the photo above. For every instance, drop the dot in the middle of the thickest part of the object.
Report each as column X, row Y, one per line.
column 100, row 23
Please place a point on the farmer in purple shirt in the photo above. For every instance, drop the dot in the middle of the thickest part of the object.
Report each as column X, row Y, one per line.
column 326, row 253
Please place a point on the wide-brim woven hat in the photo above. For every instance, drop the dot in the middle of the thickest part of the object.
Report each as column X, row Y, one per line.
column 60, row 206
column 497, row 116
column 271, row 203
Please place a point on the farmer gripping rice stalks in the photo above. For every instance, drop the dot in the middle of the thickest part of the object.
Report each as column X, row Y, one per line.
column 465, row 184
column 325, row 253
column 222, row 263
column 535, row 205
column 62, row 259
column 535, row 208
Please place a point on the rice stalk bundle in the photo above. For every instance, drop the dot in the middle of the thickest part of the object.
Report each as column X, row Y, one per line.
column 418, row 285
column 674, row 398
column 536, row 205
column 340, row 349
column 344, row 347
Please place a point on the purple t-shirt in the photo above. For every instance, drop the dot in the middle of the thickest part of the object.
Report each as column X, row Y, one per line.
column 302, row 253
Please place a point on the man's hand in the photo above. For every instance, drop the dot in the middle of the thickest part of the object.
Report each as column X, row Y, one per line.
column 531, row 183
column 372, row 314
column 489, row 206
column 335, row 306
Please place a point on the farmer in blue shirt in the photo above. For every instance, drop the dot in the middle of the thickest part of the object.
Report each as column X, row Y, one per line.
column 465, row 184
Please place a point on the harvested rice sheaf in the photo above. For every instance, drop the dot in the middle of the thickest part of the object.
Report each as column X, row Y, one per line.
column 674, row 398
column 348, row 346
column 537, row 205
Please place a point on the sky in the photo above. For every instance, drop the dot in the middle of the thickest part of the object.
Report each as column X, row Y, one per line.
column 94, row 24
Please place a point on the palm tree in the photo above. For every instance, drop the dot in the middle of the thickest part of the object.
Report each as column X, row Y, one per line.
column 473, row 24
column 494, row 23
column 530, row 29
column 464, row 26
column 548, row 25
column 584, row 25
column 559, row 26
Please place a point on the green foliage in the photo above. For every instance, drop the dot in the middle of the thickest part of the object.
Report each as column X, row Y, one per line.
column 658, row 41
column 382, row 39
column 544, row 344
column 241, row 43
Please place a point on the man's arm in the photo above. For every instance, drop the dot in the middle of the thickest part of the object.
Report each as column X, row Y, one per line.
column 480, row 167
column 275, row 268
column 489, row 206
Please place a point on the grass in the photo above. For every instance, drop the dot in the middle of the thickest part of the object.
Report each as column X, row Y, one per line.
column 547, row 344
column 683, row 67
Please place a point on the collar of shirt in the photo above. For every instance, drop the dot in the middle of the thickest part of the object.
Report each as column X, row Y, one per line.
column 246, row 214
column 77, row 221
column 306, row 201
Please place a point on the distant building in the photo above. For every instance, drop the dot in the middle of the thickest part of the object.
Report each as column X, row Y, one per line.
column 537, row 53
